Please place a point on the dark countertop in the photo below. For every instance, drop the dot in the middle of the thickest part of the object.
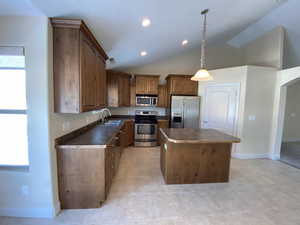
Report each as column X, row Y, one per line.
column 97, row 137
column 197, row 136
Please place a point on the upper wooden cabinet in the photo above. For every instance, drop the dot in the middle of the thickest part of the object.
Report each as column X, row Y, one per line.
column 79, row 68
column 118, row 88
column 146, row 84
column 181, row 85
column 162, row 96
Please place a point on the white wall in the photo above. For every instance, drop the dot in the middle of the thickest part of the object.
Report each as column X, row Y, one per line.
column 266, row 50
column 291, row 131
column 188, row 62
column 256, row 98
column 32, row 33
column 256, row 136
column 287, row 15
column 35, row 34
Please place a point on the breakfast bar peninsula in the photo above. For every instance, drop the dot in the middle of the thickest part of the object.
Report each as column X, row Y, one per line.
column 195, row 155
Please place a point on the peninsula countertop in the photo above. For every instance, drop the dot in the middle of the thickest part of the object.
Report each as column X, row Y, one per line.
column 197, row 136
column 97, row 137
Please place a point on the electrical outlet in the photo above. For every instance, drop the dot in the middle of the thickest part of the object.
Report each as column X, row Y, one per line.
column 66, row 126
column 25, row 190
column 252, row 117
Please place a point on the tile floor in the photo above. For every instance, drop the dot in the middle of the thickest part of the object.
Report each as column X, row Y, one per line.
column 260, row 192
column 290, row 153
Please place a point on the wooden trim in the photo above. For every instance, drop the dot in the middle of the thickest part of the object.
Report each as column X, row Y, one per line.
column 145, row 75
column 178, row 75
column 79, row 24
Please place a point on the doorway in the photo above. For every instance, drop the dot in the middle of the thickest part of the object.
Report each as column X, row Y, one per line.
column 220, row 107
column 290, row 145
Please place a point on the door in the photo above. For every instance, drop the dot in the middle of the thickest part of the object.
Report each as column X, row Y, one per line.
column 220, row 107
column 191, row 112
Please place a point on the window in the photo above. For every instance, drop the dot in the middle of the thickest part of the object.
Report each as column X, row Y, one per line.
column 13, row 108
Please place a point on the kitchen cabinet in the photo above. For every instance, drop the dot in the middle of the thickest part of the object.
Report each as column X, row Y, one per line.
column 161, row 124
column 181, row 85
column 132, row 93
column 130, row 132
column 127, row 138
column 79, row 68
column 162, row 96
column 146, row 84
column 86, row 172
column 118, row 88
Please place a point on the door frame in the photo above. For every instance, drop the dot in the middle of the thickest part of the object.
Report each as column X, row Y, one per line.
column 284, row 79
column 237, row 85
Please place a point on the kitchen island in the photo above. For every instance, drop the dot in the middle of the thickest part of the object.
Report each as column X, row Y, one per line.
column 195, row 155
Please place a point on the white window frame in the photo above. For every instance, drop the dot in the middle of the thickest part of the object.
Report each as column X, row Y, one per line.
column 16, row 51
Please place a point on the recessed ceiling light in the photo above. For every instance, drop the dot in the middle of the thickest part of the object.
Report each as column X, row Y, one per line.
column 185, row 42
column 143, row 53
column 146, row 22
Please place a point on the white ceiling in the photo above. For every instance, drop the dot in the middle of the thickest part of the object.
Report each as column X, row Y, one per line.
column 117, row 23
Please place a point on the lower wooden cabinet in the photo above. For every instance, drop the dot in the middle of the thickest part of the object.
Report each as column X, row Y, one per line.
column 85, row 174
column 161, row 124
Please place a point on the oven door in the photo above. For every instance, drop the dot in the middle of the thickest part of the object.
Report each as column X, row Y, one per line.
column 145, row 131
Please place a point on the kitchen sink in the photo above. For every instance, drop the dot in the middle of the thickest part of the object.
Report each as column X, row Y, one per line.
column 113, row 123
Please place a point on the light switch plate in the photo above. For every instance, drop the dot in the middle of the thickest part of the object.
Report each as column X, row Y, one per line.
column 66, row 126
column 252, row 117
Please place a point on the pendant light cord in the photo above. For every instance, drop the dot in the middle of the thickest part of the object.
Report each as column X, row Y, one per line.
column 203, row 44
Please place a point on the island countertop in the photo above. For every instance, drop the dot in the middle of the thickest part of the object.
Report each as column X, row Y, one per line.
column 197, row 136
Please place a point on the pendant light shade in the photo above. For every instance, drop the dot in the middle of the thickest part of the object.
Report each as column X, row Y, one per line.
column 203, row 74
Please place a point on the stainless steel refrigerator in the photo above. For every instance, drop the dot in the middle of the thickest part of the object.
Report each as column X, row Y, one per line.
column 185, row 112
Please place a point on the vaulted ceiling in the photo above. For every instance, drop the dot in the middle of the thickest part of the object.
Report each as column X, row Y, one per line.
column 117, row 23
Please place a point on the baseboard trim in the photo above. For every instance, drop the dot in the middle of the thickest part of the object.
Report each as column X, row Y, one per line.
column 50, row 212
column 274, row 157
column 250, row 156
column 290, row 140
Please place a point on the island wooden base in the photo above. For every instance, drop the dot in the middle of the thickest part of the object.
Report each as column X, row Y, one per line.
column 183, row 163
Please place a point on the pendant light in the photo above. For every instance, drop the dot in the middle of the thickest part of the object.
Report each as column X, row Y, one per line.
column 203, row 74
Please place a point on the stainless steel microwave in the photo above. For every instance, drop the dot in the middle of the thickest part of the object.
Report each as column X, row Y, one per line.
column 146, row 100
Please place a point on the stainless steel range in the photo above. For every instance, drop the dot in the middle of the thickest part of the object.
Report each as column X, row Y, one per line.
column 145, row 134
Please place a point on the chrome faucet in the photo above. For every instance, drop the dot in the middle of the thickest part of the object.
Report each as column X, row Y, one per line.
column 104, row 113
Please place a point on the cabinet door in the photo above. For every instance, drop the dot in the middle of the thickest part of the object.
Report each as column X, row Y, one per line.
column 183, row 86
column 88, row 77
column 152, row 85
column 141, row 85
column 128, row 133
column 124, row 90
column 161, row 124
column 162, row 96
column 101, row 83
column 132, row 93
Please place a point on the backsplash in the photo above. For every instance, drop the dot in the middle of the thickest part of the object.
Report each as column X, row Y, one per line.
column 131, row 110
